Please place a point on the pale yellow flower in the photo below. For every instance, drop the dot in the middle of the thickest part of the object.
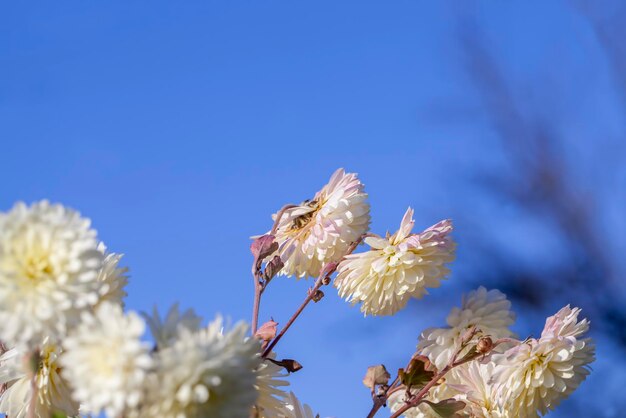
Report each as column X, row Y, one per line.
column 397, row 268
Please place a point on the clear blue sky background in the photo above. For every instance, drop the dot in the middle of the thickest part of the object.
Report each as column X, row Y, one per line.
column 179, row 127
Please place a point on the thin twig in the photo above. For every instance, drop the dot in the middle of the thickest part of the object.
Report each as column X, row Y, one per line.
column 256, row 272
column 323, row 279
column 419, row 397
column 309, row 298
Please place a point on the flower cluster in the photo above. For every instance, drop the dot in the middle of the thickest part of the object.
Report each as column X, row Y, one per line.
column 510, row 378
column 68, row 347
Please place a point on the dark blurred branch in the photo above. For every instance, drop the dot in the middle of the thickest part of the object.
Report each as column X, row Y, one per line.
column 539, row 181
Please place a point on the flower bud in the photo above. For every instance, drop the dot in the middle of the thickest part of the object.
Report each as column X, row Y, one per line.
column 485, row 345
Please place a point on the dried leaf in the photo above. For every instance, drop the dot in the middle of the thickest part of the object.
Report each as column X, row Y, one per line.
column 418, row 373
column 448, row 408
column 272, row 268
column 376, row 375
column 263, row 247
column 290, row 365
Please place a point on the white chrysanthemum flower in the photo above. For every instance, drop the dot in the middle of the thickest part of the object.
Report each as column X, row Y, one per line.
column 293, row 408
column 438, row 393
column 166, row 331
column 269, row 383
column 53, row 392
column 321, row 230
column 480, row 394
column 488, row 311
column 49, row 264
column 397, row 268
column 535, row 376
column 208, row 373
column 565, row 324
column 112, row 278
column 106, row 362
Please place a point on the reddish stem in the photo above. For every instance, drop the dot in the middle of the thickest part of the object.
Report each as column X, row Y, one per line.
column 256, row 273
column 324, row 278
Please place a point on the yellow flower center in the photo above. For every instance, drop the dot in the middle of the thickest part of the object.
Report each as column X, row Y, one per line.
column 303, row 220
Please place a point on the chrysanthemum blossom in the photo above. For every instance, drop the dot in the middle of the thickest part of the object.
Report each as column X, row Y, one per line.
column 209, row 373
column 293, row 408
column 565, row 324
column 112, row 278
column 478, row 391
column 53, row 392
column 488, row 311
column 49, row 266
column 535, row 376
column 270, row 382
column 397, row 268
column 398, row 399
column 165, row 331
column 106, row 362
column 320, row 230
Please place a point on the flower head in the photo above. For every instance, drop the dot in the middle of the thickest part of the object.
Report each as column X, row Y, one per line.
column 112, row 278
column 269, row 382
column 207, row 373
column 397, row 268
column 489, row 312
column 165, row 331
column 320, row 230
column 537, row 375
column 53, row 392
column 106, row 362
column 49, row 267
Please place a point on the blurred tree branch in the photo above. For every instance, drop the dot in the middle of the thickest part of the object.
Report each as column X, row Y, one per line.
column 540, row 182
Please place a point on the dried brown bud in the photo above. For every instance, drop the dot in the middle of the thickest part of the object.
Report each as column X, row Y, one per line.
column 485, row 345
column 317, row 296
column 376, row 375
column 263, row 246
column 267, row 331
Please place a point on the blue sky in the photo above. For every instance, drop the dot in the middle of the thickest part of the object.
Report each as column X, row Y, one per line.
column 179, row 127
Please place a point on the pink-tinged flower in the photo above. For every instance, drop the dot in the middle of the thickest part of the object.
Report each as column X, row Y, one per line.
column 53, row 391
column 565, row 324
column 535, row 376
column 397, row 268
column 320, row 230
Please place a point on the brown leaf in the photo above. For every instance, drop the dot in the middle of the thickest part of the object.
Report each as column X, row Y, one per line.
column 419, row 372
column 263, row 246
column 376, row 375
column 290, row 365
column 272, row 268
